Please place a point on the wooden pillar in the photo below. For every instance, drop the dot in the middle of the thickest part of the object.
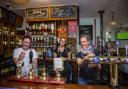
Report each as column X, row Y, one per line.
column 101, row 12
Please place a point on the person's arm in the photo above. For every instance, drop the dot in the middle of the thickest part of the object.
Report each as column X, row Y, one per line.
column 18, row 58
column 80, row 59
column 85, row 58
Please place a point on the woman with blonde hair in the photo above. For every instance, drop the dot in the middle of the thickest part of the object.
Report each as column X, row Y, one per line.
column 87, row 72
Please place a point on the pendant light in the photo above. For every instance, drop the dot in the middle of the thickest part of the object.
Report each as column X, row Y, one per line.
column 113, row 22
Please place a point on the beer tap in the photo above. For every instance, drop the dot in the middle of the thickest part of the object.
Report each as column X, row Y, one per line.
column 108, row 48
column 117, row 48
column 117, row 51
column 18, row 72
column 114, row 69
column 58, row 76
column 43, row 74
column 126, row 50
column 19, row 69
column 31, row 67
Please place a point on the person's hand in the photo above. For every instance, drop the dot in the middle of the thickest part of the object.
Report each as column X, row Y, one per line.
column 21, row 56
column 90, row 54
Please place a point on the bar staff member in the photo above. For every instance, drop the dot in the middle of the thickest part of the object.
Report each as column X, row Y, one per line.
column 87, row 72
column 26, row 56
column 63, row 51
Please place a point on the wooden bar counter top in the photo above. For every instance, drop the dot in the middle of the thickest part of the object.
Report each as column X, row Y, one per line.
column 21, row 85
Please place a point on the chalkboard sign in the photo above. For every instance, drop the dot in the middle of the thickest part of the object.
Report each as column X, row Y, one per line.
column 7, row 15
column 64, row 12
column 32, row 13
column 86, row 30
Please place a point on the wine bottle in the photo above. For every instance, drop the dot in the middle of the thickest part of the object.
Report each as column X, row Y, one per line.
column 42, row 26
column 52, row 27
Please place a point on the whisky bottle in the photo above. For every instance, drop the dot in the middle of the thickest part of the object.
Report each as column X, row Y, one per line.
column 52, row 27
column 42, row 26
column 49, row 27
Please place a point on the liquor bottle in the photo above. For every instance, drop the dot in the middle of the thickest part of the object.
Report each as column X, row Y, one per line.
column 44, row 53
column 32, row 37
column 42, row 39
column 52, row 27
column 59, row 53
column 39, row 28
column 42, row 26
column 38, row 39
column 34, row 26
column 49, row 53
column 49, row 27
column 69, row 44
column 45, row 28
column 27, row 26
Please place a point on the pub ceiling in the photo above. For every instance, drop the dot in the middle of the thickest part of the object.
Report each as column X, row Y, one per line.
column 88, row 8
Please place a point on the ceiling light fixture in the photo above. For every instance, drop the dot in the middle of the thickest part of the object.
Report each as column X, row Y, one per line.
column 113, row 22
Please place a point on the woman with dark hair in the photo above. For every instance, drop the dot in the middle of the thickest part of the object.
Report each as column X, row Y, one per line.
column 63, row 51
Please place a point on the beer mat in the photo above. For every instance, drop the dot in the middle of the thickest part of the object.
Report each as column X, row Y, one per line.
column 7, row 88
column 39, row 80
column 54, row 81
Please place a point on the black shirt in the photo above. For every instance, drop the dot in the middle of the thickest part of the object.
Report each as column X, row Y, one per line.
column 85, row 71
column 62, row 54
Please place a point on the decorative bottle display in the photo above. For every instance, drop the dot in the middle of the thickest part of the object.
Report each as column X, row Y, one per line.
column 7, row 35
column 43, row 37
column 12, row 37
